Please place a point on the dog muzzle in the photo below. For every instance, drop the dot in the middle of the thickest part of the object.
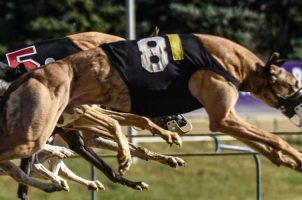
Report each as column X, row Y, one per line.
column 292, row 107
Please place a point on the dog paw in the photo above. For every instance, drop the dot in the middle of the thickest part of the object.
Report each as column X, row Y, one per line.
column 63, row 183
column 67, row 153
column 125, row 161
column 141, row 186
column 172, row 138
column 54, row 187
column 63, row 153
column 95, row 185
column 175, row 161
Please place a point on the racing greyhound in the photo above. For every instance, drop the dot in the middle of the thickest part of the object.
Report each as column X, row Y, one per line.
column 56, row 49
column 47, row 51
column 143, row 77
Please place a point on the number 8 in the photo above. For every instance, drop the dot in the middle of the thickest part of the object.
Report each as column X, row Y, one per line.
column 154, row 57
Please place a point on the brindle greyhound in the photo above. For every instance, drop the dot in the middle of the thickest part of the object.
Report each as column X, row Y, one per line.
column 88, row 40
column 84, row 41
column 27, row 123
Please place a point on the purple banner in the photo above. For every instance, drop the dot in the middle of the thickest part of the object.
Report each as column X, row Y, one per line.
column 247, row 103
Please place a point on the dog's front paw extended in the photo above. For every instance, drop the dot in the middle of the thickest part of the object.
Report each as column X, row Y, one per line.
column 175, row 161
column 124, row 160
column 63, row 183
column 141, row 186
column 172, row 138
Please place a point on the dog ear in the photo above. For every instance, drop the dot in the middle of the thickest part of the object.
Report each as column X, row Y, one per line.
column 274, row 60
column 155, row 32
column 280, row 62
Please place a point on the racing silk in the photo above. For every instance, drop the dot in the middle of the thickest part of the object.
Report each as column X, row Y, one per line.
column 40, row 53
column 14, row 64
column 157, row 71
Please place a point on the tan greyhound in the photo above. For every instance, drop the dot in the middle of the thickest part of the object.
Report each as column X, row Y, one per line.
column 84, row 41
column 90, row 77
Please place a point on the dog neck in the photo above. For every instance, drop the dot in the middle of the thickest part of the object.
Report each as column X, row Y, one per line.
column 240, row 63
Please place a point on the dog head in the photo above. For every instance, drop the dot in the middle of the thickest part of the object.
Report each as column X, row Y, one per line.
column 284, row 88
column 282, row 83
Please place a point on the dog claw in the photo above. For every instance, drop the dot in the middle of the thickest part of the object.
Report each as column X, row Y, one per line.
column 175, row 161
column 180, row 162
column 124, row 168
column 95, row 185
column 65, row 153
column 173, row 138
column 63, row 183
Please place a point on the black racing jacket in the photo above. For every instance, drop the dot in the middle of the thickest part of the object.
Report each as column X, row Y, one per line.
column 157, row 71
column 39, row 53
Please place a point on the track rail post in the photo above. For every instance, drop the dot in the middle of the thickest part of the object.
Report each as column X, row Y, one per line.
column 219, row 147
column 93, row 178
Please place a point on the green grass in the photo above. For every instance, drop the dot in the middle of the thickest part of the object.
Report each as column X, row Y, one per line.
column 206, row 178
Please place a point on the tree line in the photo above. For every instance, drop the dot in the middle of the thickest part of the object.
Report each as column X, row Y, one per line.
column 263, row 26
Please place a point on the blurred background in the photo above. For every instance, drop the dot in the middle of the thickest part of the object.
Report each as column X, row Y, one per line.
column 262, row 26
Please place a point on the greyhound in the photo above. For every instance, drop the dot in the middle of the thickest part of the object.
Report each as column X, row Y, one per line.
column 56, row 49
column 86, row 40
column 217, row 63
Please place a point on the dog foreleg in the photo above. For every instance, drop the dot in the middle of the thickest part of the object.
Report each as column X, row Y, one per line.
column 274, row 156
column 140, row 152
column 128, row 119
column 279, row 156
column 124, row 156
column 219, row 104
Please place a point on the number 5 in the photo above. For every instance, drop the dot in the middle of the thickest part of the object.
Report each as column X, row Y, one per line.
column 14, row 58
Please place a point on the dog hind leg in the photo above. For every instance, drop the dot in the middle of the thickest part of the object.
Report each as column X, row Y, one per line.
column 29, row 116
